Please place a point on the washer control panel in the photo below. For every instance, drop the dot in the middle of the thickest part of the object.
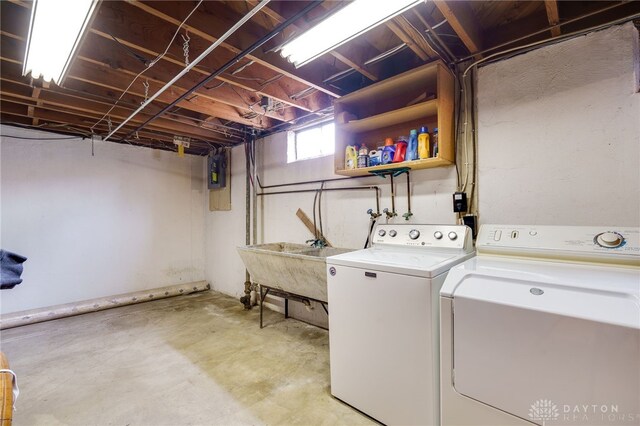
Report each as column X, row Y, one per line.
column 563, row 242
column 428, row 236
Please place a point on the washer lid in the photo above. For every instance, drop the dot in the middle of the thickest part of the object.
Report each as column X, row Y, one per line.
column 401, row 260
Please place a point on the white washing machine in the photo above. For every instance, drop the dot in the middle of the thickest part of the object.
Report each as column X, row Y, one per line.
column 543, row 327
column 384, row 320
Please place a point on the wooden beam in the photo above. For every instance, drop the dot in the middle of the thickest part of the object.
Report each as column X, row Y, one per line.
column 247, row 80
column 553, row 16
column 92, row 109
column 409, row 35
column 48, row 115
column 35, row 94
column 223, row 102
column 210, row 26
column 459, row 15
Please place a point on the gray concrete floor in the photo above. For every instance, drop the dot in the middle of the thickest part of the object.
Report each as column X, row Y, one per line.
column 190, row 360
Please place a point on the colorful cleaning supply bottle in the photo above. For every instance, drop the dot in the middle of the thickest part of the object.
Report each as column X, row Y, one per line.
column 401, row 149
column 350, row 157
column 388, row 152
column 412, row 146
column 363, row 157
column 434, row 151
column 375, row 157
column 423, row 142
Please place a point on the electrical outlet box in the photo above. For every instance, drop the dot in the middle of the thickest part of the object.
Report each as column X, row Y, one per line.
column 459, row 202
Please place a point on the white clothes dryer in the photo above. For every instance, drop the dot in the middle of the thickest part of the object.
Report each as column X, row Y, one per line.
column 543, row 327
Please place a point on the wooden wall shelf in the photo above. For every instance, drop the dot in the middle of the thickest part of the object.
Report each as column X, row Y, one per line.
column 420, row 97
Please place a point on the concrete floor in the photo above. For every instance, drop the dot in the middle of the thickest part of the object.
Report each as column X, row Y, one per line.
column 190, row 360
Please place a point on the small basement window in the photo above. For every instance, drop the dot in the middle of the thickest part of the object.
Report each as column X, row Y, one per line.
column 312, row 142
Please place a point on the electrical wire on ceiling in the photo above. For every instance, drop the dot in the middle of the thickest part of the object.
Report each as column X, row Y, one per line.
column 148, row 66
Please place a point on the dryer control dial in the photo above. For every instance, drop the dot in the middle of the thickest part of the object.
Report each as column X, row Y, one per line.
column 452, row 235
column 437, row 235
column 393, row 233
column 382, row 232
column 414, row 234
column 609, row 239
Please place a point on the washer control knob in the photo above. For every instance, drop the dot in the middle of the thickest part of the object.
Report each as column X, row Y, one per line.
column 609, row 239
column 452, row 235
column 382, row 232
column 437, row 235
column 393, row 233
column 414, row 234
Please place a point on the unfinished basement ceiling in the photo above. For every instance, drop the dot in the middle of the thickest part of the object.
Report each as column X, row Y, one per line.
column 262, row 91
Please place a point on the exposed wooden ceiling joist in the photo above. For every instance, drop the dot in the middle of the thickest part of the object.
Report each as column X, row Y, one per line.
column 103, row 68
column 409, row 35
column 553, row 15
column 210, row 26
column 459, row 15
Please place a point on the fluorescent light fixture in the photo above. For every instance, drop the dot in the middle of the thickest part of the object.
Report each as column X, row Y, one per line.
column 347, row 23
column 55, row 32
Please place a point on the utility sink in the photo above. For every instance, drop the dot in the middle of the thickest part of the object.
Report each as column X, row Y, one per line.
column 290, row 267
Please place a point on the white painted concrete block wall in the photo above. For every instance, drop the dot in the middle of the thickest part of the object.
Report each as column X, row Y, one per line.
column 547, row 121
column 125, row 220
column 559, row 133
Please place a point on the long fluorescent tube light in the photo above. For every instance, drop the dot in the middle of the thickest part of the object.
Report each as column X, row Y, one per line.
column 55, row 32
column 347, row 23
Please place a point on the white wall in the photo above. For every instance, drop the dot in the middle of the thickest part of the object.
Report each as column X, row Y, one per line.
column 548, row 121
column 559, row 134
column 127, row 219
column 224, row 231
column 344, row 214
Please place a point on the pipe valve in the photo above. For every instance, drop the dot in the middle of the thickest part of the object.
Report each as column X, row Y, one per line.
column 407, row 215
column 390, row 214
column 374, row 215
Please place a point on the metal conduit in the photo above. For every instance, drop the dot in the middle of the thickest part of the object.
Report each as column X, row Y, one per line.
column 230, row 63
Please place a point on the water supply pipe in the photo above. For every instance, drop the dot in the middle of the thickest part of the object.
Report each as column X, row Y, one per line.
column 408, row 214
column 246, row 299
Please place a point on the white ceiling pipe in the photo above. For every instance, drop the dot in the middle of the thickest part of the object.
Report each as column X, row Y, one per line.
column 217, row 43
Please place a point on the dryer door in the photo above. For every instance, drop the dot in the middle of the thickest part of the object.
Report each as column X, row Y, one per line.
column 548, row 352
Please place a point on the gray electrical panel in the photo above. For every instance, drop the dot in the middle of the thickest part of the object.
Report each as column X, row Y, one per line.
column 217, row 169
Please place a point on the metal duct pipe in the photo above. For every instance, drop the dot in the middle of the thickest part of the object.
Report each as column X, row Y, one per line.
column 230, row 63
column 246, row 299
column 186, row 69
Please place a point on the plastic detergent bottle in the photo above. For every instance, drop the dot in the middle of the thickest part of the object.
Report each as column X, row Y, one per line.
column 388, row 151
column 363, row 157
column 434, row 151
column 412, row 146
column 350, row 157
column 375, row 157
column 423, row 142
column 401, row 149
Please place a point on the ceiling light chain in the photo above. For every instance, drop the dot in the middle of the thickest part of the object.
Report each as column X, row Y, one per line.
column 146, row 91
column 185, row 47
